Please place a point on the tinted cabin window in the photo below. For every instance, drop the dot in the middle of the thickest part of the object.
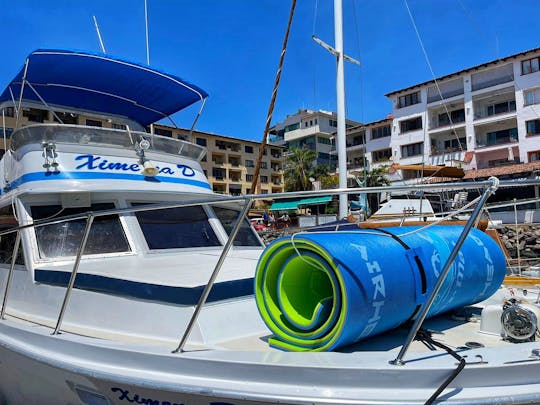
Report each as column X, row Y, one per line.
column 63, row 239
column 7, row 241
column 173, row 228
column 245, row 235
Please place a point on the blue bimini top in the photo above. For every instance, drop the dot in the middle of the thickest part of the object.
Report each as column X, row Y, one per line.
column 99, row 83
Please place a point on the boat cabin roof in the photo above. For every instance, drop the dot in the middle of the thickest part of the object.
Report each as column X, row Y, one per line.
column 100, row 83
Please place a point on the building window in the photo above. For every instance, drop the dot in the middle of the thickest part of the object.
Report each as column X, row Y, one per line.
column 381, row 132
column 163, row 132
column 201, row 141
column 9, row 131
column 315, row 121
column 264, row 165
column 249, row 163
column 452, row 145
column 409, row 99
column 94, row 123
column 455, row 116
column 501, row 108
column 249, row 177
column 292, row 127
column 381, row 155
column 530, row 66
column 35, row 115
column 333, row 123
column 219, row 174
column 9, row 111
column 118, row 126
column 264, row 179
column 414, row 149
column 263, row 191
column 534, row 156
column 248, row 149
column 500, row 162
column 533, row 127
column 532, row 96
column 322, row 140
column 411, row 125
column 502, row 136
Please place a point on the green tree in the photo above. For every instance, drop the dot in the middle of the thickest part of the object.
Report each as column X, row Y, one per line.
column 298, row 169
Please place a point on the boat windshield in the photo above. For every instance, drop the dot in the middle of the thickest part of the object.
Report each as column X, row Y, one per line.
column 245, row 235
column 63, row 239
column 173, row 228
column 80, row 135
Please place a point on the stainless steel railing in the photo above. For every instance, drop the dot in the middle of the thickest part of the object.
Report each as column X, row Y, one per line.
column 489, row 188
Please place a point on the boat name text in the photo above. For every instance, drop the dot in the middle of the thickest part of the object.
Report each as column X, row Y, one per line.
column 92, row 162
column 124, row 395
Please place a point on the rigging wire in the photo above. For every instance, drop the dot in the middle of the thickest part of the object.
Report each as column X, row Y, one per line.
column 478, row 28
column 452, row 128
column 357, row 37
column 272, row 101
column 313, row 53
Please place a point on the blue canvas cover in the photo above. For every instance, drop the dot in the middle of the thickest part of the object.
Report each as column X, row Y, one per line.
column 99, row 83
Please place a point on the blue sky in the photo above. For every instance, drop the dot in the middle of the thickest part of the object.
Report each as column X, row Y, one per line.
column 231, row 48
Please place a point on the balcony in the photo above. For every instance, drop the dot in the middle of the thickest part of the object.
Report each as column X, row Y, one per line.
column 440, row 117
column 234, row 162
column 493, row 108
column 232, row 146
column 504, row 156
column 494, row 137
column 448, row 89
column 492, row 77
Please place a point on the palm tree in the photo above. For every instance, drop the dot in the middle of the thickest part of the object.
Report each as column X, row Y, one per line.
column 298, row 168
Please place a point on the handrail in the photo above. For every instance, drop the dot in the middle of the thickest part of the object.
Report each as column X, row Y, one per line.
column 248, row 200
column 444, row 272
column 10, row 274
column 89, row 221
column 214, row 275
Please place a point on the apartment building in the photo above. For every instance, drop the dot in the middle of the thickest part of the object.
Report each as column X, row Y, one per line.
column 368, row 147
column 310, row 129
column 229, row 163
column 478, row 119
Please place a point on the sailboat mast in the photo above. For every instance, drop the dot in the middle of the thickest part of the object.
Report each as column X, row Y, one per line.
column 340, row 95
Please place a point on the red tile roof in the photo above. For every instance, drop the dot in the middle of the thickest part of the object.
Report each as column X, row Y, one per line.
column 502, row 170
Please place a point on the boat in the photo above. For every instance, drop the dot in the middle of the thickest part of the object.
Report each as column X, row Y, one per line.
column 125, row 279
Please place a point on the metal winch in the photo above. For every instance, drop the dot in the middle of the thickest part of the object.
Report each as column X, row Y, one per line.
column 519, row 321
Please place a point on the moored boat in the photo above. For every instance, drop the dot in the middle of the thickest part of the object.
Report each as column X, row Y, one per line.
column 134, row 282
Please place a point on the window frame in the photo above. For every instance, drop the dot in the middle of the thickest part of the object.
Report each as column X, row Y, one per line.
column 408, row 120
column 409, row 99
column 33, row 239
column 218, row 230
column 531, row 68
column 537, row 127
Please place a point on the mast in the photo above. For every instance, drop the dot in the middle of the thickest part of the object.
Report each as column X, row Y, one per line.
column 340, row 96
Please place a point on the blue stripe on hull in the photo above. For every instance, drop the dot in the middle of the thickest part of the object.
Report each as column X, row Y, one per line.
column 42, row 176
column 152, row 292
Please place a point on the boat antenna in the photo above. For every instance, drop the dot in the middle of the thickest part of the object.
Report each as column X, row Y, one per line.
column 99, row 35
column 146, row 29
column 272, row 101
